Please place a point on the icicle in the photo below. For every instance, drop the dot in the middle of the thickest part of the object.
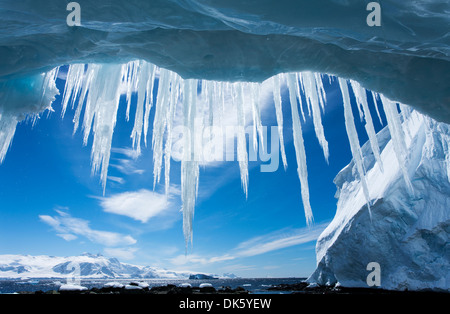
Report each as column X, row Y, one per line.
column 361, row 100
column 321, row 90
column 299, row 96
column 299, row 151
column 8, row 126
column 87, row 80
column 107, row 82
column 91, row 101
column 254, row 124
column 131, row 82
column 139, row 115
column 302, row 86
column 375, row 103
column 189, row 165
column 397, row 135
column 174, row 94
column 242, row 155
column 159, row 122
column 353, row 139
column 256, row 111
column 149, row 99
column 310, row 88
column 210, row 102
column 74, row 80
column 279, row 114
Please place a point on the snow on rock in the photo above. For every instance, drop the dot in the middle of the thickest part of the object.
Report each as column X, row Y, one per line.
column 113, row 284
column 408, row 235
column 70, row 287
column 132, row 287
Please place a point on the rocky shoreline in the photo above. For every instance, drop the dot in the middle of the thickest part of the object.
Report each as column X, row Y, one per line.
column 187, row 289
column 306, row 288
column 137, row 288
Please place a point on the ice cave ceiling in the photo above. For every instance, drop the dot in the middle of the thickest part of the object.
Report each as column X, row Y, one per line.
column 406, row 59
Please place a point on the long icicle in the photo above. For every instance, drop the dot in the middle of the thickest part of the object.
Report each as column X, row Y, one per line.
column 279, row 114
column 361, row 99
column 312, row 96
column 159, row 122
column 189, row 164
column 397, row 135
column 300, row 150
column 353, row 139
column 241, row 140
column 174, row 94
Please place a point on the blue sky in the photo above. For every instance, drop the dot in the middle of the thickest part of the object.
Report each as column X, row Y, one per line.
column 52, row 205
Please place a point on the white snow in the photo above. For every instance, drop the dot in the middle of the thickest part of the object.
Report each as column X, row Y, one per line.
column 113, row 284
column 205, row 285
column 132, row 287
column 70, row 287
column 96, row 266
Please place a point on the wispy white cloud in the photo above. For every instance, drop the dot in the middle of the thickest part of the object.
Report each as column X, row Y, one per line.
column 258, row 245
column 140, row 205
column 69, row 228
column 126, row 163
column 116, row 179
column 278, row 240
column 67, row 236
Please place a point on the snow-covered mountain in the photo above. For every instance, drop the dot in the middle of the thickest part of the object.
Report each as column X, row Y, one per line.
column 405, row 232
column 86, row 266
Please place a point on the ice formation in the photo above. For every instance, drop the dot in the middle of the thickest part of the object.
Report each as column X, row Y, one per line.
column 99, row 87
column 407, row 235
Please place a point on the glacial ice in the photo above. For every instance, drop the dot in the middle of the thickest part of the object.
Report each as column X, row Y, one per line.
column 407, row 235
column 237, row 41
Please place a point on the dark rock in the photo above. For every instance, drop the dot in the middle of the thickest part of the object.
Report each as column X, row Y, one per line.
column 301, row 286
column 207, row 290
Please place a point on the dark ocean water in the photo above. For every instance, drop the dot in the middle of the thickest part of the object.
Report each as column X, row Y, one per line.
column 253, row 285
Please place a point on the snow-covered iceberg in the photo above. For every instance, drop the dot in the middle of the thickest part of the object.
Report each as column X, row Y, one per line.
column 406, row 232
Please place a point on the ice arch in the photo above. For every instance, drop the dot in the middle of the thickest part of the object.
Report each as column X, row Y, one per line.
column 406, row 59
